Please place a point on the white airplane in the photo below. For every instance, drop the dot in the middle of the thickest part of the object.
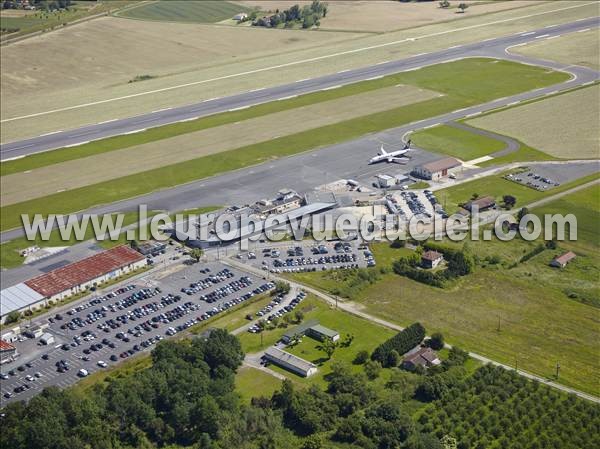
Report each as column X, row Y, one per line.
column 394, row 156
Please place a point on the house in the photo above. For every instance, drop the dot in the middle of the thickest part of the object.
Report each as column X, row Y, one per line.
column 431, row 259
column 420, row 356
column 290, row 362
column 437, row 169
column 481, row 204
column 8, row 352
column 151, row 247
column 240, row 16
column 320, row 333
column 312, row 329
column 562, row 260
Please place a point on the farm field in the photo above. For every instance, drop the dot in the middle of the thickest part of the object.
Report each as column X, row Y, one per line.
column 184, row 11
column 18, row 22
column 73, row 174
column 571, row 134
column 456, row 142
column 381, row 16
column 460, row 90
column 468, row 313
column 204, row 55
column 575, row 48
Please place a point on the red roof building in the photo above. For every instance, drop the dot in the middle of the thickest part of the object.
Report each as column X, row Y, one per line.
column 562, row 260
column 431, row 259
column 76, row 275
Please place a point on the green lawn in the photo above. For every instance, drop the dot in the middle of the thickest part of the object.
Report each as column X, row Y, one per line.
column 205, row 11
column 252, row 382
column 506, row 77
column 366, row 337
column 456, row 142
column 497, row 186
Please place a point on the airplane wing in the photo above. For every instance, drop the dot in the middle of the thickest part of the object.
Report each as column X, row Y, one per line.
column 398, row 160
column 382, row 151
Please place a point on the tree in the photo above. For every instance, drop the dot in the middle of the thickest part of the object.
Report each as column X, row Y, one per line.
column 196, row 254
column 509, row 201
column 134, row 244
column 12, row 317
column 282, row 288
column 299, row 316
column 393, row 358
column 398, row 243
column 444, row 4
column 522, row 212
column 372, row 369
column 328, row 346
column 361, row 357
column 463, row 7
column 436, row 341
column 347, row 341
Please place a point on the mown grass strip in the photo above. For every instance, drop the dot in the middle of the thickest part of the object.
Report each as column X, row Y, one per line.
column 468, row 78
column 480, row 81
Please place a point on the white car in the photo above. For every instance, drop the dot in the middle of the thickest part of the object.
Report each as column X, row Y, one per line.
column 83, row 372
column 29, row 377
column 102, row 364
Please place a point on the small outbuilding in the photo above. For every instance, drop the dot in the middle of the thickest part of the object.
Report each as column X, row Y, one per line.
column 431, row 259
column 562, row 260
column 47, row 339
column 320, row 333
column 240, row 16
column 290, row 362
column 483, row 203
column 8, row 352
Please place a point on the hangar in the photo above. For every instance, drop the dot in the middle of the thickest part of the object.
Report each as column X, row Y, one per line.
column 437, row 169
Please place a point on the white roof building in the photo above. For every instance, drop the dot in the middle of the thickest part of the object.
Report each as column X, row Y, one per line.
column 18, row 297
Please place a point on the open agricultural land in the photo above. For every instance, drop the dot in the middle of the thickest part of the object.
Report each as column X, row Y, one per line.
column 579, row 48
column 216, row 60
column 459, row 88
column 184, row 11
column 16, row 23
column 381, row 16
column 566, row 126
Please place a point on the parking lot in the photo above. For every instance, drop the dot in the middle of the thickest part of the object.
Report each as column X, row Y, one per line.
column 544, row 177
column 99, row 332
column 304, row 256
column 419, row 203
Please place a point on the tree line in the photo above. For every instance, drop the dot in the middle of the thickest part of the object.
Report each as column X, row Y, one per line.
column 306, row 16
column 388, row 352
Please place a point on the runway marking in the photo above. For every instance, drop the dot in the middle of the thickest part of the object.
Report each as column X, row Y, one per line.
column 455, row 46
column 513, row 103
column 473, row 114
column 77, row 144
column 541, row 36
column 432, row 126
column 583, row 31
column 500, row 99
column 552, row 93
column 487, row 40
column 528, row 34
column 343, row 71
column 293, row 63
column 107, row 121
column 136, row 131
column 304, row 79
column 257, row 90
column 160, row 110
column 211, row 99
column 332, row 87
column 238, row 109
column 374, row 78
column 49, row 134
column 422, row 54
column 289, row 97
column 553, row 37
column 413, row 69
column 550, row 26
column 588, row 83
column 383, row 62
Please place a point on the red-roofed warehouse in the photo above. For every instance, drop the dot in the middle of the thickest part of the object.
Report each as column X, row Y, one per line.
column 78, row 276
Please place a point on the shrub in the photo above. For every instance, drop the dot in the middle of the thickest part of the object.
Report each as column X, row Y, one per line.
column 361, row 357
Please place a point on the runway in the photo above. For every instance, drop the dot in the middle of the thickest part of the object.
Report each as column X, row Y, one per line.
column 489, row 48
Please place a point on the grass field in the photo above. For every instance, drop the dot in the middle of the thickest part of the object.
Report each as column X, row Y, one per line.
column 497, row 186
column 381, row 16
column 252, row 382
column 574, row 48
column 18, row 22
column 456, row 142
column 366, row 337
column 73, row 174
column 196, row 53
column 461, row 87
column 566, row 126
column 205, row 11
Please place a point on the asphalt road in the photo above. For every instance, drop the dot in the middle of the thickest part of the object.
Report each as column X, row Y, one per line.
column 32, row 352
column 492, row 48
